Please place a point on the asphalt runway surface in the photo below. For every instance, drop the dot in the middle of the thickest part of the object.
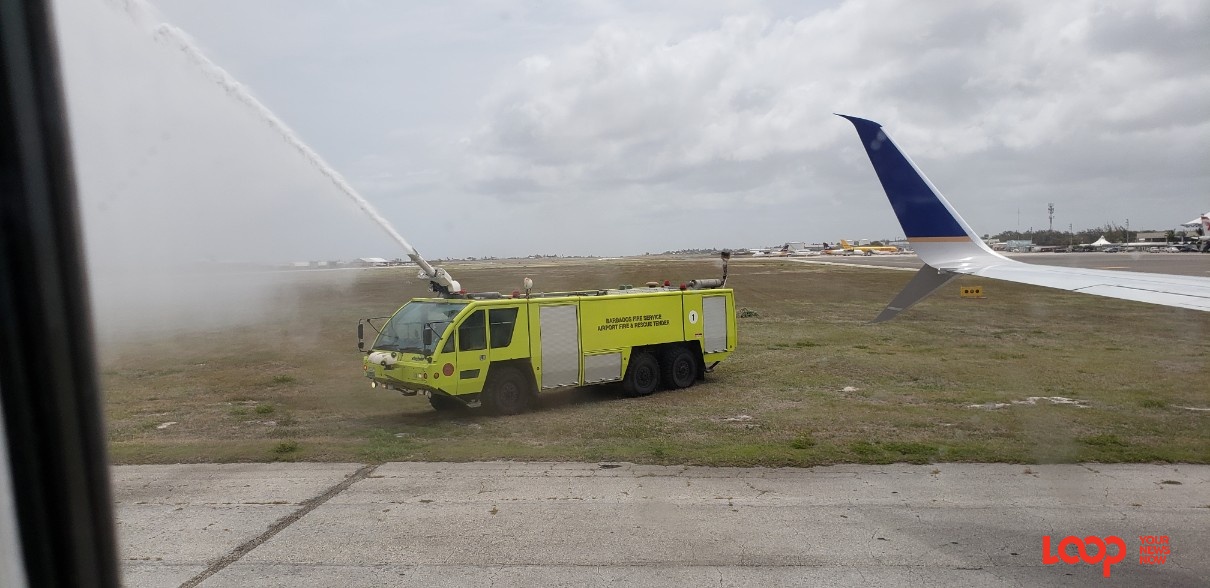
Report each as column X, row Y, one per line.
column 588, row 524
column 1188, row 264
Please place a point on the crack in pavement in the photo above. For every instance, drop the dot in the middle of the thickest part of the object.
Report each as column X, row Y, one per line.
column 307, row 506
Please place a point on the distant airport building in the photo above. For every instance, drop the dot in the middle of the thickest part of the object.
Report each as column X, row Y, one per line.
column 314, row 264
column 1158, row 237
column 371, row 262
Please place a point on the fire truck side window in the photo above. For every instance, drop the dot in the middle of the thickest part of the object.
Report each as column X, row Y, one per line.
column 502, row 323
column 472, row 335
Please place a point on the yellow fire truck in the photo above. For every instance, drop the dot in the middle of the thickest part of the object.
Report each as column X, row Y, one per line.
column 500, row 351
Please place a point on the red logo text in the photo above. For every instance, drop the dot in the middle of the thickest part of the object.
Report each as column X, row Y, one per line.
column 1100, row 556
column 1153, row 549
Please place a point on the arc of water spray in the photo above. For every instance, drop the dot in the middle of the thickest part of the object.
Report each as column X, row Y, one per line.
column 168, row 34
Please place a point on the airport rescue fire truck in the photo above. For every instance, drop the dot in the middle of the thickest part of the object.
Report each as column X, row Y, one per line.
column 500, row 351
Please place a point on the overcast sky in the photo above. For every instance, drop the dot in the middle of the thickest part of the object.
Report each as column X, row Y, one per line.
column 597, row 127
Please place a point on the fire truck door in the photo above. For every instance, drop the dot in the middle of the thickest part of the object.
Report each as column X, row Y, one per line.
column 472, row 353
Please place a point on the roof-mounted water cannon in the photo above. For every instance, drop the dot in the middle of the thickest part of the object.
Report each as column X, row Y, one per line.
column 439, row 280
column 713, row 282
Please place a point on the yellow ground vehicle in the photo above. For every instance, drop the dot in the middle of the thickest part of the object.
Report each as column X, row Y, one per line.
column 500, row 352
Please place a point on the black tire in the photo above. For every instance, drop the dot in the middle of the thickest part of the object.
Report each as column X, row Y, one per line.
column 445, row 403
column 508, row 392
column 642, row 376
column 678, row 368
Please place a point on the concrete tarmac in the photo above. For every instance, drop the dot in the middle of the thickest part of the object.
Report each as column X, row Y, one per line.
column 586, row 524
column 1184, row 264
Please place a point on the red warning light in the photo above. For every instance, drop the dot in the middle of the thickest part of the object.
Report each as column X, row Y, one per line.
column 448, row 369
column 667, row 283
column 684, row 287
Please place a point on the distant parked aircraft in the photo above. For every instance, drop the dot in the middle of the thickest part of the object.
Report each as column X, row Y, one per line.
column 800, row 249
column 1202, row 225
column 868, row 249
column 949, row 247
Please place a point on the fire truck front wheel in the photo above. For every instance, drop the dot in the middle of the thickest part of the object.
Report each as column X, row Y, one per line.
column 507, row 392
column 643, row 375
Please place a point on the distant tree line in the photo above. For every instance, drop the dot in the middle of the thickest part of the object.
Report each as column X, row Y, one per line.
column 1112, row 232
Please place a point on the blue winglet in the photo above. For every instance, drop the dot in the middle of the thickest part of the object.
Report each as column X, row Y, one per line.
column 920, row 209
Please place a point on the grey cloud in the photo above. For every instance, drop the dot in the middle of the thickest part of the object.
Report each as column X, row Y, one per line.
column 1033, row 98
column 939, row 84
column 628, row 113
column 1174, row 38
column 514, row 189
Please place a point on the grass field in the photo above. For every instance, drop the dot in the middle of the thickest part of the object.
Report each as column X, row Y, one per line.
column 811, row 382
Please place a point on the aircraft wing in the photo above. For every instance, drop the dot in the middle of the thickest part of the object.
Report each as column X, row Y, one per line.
column 949, row 247
column 1166, row 289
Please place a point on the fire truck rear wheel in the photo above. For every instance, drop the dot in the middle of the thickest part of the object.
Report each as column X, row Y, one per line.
column 643, row 375
column 507, row 392
column 678, row 368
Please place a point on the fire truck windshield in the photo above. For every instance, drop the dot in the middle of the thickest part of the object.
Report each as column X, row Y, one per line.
column 406, row 330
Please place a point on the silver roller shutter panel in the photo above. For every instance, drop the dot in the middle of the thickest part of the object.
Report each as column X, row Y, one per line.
column 715, row 310
column 560, row 345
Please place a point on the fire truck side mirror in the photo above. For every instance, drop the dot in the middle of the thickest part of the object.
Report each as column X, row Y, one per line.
column 427, row 336
column 361, row 336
